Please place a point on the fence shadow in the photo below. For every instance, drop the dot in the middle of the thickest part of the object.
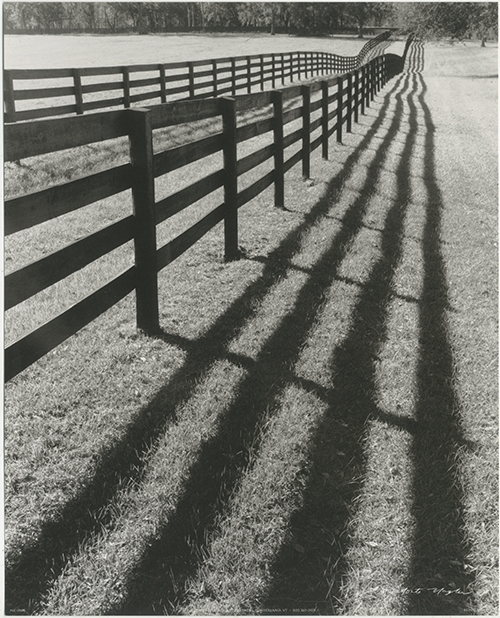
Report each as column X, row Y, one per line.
column 30, row 574
column 440, row 581
column 154, row 588
column 310, row 582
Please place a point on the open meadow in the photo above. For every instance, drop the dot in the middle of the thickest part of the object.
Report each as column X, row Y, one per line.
column 315, row 428
column 43, row 51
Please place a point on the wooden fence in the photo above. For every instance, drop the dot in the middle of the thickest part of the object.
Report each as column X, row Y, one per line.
column 76, row 91
column 325, row 108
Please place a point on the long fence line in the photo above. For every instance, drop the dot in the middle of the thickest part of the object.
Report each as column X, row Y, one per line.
column 75, row 91
column 337, row 103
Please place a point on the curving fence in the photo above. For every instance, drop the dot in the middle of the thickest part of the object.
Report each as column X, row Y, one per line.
column 60, row 92
column 304, row 115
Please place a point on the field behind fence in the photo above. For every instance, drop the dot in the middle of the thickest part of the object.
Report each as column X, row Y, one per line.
column 42, row 93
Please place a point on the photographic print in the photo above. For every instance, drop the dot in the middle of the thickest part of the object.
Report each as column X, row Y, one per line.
column 251, row 308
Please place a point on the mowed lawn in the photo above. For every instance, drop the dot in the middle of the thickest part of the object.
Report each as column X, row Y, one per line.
column 315, row 430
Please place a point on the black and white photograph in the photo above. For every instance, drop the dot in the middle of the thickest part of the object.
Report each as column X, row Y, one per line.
column 250, row 309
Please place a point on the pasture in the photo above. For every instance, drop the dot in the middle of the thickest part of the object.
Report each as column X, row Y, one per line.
column 315, row 429
column 37, row 51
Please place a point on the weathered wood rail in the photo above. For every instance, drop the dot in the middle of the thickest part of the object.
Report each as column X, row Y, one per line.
column 326, row 106
column 76, row 91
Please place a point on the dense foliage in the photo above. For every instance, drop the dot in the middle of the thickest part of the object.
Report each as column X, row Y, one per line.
column 427, row 19
column 450, row 19
column 143, row 17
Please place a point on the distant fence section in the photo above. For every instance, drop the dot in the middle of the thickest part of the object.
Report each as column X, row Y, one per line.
column 322, row 109
column 42, row 93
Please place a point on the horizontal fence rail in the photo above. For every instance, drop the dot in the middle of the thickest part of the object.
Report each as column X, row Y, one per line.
column 322, row 108
column 81, row 90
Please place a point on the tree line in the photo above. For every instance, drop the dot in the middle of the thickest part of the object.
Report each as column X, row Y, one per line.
column 436, row 19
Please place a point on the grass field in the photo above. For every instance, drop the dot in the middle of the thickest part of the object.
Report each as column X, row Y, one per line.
column 315, row 430
column 87, row 50
column 31, row 52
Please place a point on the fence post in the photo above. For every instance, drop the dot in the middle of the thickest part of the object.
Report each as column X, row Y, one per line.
column 262, row 72
column 233, row 76
column 249, row 75
column 306, row 131
column 279, row 169
column 214, row 76
column 273, row 74
column 143, row 193
column 349, row 102
column 228, row 109
column 163, row 83
column 340, row 100
column 10, row 102
column 373, row 80
column 356, row 95
column 191, row 80
column 77, row 82
column 362, row 82
column 324, row 120
column 126, row 87
column 367, row 85
column 282, row 69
